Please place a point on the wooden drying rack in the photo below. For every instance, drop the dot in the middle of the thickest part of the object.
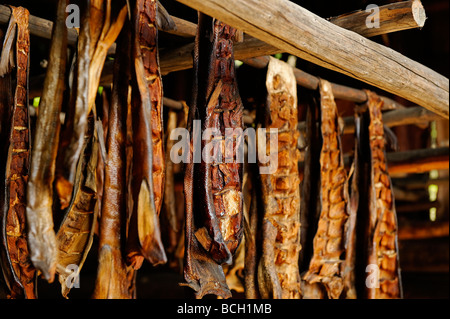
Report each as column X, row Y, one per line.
column 326, row 42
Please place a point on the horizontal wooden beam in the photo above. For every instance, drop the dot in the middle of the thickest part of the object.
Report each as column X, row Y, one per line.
column 43, row 28
column 423, row 230
column 418, row 206
column 403, row 116
column 414, row 183
column 418, row 161
column 415, row 115
column 311, row 82
column 385, row 19
column 297, row 31
column 179, row 59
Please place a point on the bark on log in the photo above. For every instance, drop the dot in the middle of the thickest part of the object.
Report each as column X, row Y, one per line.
column 390, row 18
column 279, row 22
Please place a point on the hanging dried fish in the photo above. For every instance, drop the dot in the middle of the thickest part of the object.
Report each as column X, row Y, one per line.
column 148, row 41
column 169, row 186
column 42, row 239
column 101, row 40
column 214, row 233
column 251, row 248
column 220, row 109
column 148, row 157
column 114, row 279
column 382, row 229
column 93, row 46
column 278, row 272
column 72, row 136
column 21, row 276
column 310, row 213
column 75, row 234
column 349, row 265
column 326, row 266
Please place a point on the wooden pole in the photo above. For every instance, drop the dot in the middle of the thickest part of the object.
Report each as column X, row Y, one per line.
column 311, row 82
column 297, row 31
column 411, row 162
column 423, row 230
column 403, row 116
column 418, row 161
column 416, row 115
column 43, row 28
column 417, row 206
column 385, row 19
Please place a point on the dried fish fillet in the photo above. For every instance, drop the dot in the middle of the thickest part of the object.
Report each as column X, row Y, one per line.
column 329, row 241
column 278, row 271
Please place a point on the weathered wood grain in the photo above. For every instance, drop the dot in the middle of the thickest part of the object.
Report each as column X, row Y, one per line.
column 280, row 22
column 392, row 17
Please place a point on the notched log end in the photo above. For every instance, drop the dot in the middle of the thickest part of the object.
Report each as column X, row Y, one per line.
column 419, row 14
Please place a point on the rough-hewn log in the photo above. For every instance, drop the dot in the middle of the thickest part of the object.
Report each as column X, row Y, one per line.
column 404, row 116
column 280, row 22
column 391, row 18
column 181, row 58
